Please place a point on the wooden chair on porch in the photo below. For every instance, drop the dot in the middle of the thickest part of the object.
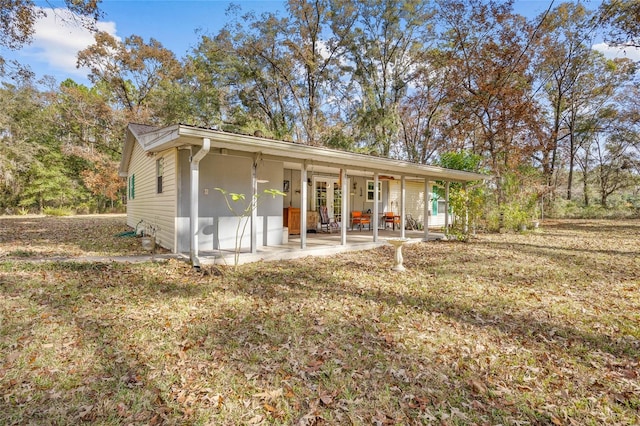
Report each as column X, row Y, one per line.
column 393, row 219
column 325, row 220
column 357, row 218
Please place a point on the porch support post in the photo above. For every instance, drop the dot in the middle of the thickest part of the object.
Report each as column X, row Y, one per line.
column 303, row 205
column 254, row 204
column 466, row 210
column 446, row 208
column 376, row 213
column 426, row 210
column 403, row 203
column 344, row 189
column 195, row 193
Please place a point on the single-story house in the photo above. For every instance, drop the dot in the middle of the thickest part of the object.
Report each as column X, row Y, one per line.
column 174, row 176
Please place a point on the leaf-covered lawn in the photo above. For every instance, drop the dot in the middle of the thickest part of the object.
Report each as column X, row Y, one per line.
column 539, row 328
column 47, row 236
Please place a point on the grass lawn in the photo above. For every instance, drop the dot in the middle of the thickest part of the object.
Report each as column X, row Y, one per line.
column 514, row 329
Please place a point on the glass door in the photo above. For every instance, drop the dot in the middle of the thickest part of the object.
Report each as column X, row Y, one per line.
column 337, row 202
column 328, row 193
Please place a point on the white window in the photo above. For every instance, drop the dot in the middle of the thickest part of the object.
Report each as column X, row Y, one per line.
column 370, row 191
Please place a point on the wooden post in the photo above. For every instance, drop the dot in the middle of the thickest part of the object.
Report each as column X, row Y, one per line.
column 344, row 189
column 426, row 210
column 376, row 213
column 446, row 208
column 303, row 205
column 403, row 203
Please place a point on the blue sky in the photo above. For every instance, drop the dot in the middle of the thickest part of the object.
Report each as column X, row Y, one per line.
column 172, row 22
column 175, row 23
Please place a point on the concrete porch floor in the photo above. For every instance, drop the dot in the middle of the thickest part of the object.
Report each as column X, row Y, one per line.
column 318, row 244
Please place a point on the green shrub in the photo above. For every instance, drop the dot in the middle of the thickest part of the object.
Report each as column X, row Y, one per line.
column 22, row 253
column 57, row 211
column 618, row 208
column 592, row 212
column 561, row 208
column 513, row 216
column 83, row 208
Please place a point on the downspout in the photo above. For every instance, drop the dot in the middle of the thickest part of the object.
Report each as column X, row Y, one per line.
column 254, row 204
column 195, row 193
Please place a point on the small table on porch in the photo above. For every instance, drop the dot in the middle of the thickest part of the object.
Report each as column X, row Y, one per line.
column 386, row 218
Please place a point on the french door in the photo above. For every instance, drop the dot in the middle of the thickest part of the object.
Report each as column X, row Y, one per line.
column 327, row 192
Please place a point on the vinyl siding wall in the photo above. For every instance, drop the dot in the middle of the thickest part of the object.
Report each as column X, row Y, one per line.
column 357, row 200
column 217, row 225
column 415, row 201
column 159, row 209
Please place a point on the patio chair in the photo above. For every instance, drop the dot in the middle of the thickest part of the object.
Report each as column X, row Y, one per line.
column 325, row 220
column 357, row 218
column 390, row 217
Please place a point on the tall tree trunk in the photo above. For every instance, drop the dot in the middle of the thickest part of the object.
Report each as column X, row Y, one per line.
column 571, row 164
column 554, row 140
column 585, row 176
column 585, row 188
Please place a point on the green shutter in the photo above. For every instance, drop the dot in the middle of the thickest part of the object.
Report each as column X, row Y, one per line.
column 434, row 206
column 133, row 187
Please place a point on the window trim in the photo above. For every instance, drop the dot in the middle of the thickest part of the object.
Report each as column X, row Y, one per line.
column 370, row 191
column 159, row 175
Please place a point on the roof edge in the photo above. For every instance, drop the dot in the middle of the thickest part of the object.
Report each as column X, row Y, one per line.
column 157, row 139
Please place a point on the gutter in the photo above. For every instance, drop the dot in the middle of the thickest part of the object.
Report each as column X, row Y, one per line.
column 195, row 193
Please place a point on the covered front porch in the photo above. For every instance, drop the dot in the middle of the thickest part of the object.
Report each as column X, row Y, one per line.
column 186, row 175
column 324, row 188
column 317, row 244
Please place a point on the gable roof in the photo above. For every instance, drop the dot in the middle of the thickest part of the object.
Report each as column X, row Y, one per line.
column 154, row 139
column 133, row 135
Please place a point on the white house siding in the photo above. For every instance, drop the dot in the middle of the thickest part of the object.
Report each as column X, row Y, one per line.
column 216, row 224
column 357, row 196
column 393, row 205
column 415, row 201
column 159, row 209
column 414, row 198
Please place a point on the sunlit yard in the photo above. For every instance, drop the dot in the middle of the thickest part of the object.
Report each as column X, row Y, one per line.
column 534, row 328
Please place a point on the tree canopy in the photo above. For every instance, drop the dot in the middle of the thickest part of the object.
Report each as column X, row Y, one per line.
column 18, row 18
column 407, row 79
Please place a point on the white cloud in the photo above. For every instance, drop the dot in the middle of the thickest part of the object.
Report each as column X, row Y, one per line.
column 59, row 37
column 632, row 53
